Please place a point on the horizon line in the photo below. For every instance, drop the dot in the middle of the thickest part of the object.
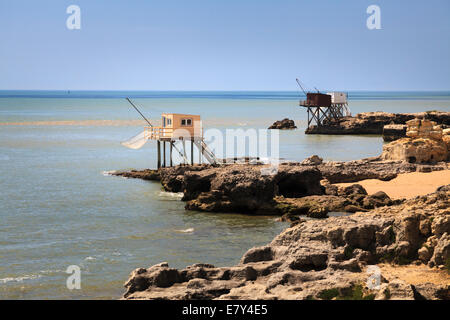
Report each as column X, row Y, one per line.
column 221, row 90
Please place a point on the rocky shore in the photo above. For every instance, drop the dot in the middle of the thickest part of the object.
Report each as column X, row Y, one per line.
column 326, row 258
column 294, row 188
column 334, row 258
column 374, row 122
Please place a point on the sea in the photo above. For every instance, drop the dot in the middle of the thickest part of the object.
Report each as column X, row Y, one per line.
column 61, row 209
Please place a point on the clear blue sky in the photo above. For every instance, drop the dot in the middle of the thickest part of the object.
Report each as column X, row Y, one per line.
column 224, row 45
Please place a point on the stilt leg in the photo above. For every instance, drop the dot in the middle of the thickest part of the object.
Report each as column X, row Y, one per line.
column 200, row 155
column 192, row 151
column 159, row 154
column 184, row 151
column 164, row 154
column 171, row 147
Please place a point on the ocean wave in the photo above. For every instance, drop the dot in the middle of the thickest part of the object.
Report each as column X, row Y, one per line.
column 165, row 194
column 188, row 230
column 20, row 279
column 108, row 173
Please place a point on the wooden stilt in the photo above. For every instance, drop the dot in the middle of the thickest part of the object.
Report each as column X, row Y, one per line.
column 171, row 147
column 159, row 153
column 192, row 151
column 184, row 151
column 200, row 152
column 164, row 154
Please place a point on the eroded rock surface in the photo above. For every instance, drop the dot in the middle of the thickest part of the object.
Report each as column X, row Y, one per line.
column 393, row 132
column 321, row 259
column 373, row 122
column 284, row 124
column 424, row 144
column 243, row 188
column 291, row 187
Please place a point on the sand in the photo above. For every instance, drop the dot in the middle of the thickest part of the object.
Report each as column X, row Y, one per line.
column 407, row 185
column 415, row 274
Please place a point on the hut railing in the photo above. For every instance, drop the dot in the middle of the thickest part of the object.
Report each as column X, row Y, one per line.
column 156, row 133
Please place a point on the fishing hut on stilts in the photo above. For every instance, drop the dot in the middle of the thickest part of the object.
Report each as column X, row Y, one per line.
column 324, row 109
column 176, row 131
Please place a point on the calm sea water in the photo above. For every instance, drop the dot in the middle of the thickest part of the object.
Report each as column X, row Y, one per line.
column 60, row 208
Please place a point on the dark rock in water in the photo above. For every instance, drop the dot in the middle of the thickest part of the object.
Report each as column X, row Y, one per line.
column 393, row 132
column 283, row 124
column 172, row 178
column 323, row 259
column 147, row 174
column 243, row 188
column 373, row 122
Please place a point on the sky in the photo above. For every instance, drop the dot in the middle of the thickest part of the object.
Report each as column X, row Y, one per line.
column 224, row 45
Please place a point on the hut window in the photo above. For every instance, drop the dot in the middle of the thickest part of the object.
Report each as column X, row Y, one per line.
column 169, row 121
column 186, row 122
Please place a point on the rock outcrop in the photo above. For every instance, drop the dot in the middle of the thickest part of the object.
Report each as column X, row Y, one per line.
column 244, row 188
column 350, row 199
column 284, row 124
column 146, row 174
column 292, row 188
column 424, row 144
column 392, row 132
column 373, row 122
column 323, row 259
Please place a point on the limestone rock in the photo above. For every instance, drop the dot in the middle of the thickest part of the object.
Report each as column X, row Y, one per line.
column 283, row 124
column 393, row 132
column 415, row 150
column 424, row 144
column 374, row 122
column 240, row 188
column 318, row 259
column 395, row 290
column 147, row 174
column 441, row 251
column 314, row 160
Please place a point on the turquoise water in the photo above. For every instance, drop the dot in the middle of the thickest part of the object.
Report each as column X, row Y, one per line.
column 60, row 208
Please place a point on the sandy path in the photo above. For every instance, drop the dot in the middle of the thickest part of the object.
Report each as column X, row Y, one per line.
column 407, row 185
column 415, row 275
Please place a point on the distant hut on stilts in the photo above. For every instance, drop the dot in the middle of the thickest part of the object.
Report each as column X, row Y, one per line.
column 324, row 109
column 175, row 129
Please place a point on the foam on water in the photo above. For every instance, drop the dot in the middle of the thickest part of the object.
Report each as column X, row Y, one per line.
column 188, row 230
column 171, row 195
column 19, row 279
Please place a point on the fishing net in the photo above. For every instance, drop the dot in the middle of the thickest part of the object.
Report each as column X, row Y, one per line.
column 136, row 142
